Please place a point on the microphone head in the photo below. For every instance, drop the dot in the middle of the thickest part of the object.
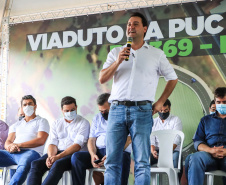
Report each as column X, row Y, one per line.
column 129, row 39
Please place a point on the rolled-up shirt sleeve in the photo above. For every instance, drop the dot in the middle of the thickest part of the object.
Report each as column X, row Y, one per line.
column 53, row 134
column 12, row 128
column 153, row 139
column 44, row 125
column 199, row 136
column 93, row 128
column 82, row 134
column 177, row 126
column 111, row 58
column 166, row 69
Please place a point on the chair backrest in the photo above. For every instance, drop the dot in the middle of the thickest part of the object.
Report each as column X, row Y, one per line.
column 166, row 139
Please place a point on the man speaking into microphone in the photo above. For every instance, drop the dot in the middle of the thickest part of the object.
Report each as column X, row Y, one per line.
column 133, row 91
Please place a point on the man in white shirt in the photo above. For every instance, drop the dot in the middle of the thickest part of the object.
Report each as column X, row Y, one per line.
column 97, row 148
column 25, row 142
column 133, row 91
column 67, row 136
column 165, row 121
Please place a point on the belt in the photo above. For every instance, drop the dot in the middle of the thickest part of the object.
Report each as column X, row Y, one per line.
column 131, row 103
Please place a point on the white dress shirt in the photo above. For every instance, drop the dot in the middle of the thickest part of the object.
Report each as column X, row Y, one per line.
column 137, row 79
column 99, row 129
column 173, row 123
column 26, row 131
column 64, row 134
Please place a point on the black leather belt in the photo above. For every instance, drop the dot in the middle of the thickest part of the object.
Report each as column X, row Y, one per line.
column 131, row 103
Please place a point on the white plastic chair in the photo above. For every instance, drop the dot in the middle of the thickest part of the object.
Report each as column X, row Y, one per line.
column 5, row 173
column 165, row 158
column 91, row 170
column 211, row 174
column 67, row 178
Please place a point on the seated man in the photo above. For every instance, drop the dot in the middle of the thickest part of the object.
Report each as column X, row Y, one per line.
column 20, row 114
column 210, row 143
column 67, row 135
column 212, row 107
column 97, row 148
column 3, row 133
column 25, row 141
column 163, row 122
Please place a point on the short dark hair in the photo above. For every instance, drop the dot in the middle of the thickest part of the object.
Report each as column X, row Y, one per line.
column 67, row 100
column 28, row 97
column 167, row 102
column 220, row 92
column 138, row 14
column 211, row 103
column 102, row 98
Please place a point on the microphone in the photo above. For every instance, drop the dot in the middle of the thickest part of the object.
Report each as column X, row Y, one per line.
column 129, row 43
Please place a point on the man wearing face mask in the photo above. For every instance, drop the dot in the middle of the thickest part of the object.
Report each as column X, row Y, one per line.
column 68, row 135
column 25, row 141
column 20, row 114
column 165, row 121
column 97, row 148
column 209, row 142
column 212, row 107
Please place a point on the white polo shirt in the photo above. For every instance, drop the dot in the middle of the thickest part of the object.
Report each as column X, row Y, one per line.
column 137, row 79
column 26, row 131
column 64, row 134
column 172, row 123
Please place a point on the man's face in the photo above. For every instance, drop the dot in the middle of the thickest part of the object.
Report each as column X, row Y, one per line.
column 165, row 109
column 212, row 108
column 135, row 28
column 104, row 108
column 69, row 108
column 220, row 100
column 28, row 102
column 221, row 105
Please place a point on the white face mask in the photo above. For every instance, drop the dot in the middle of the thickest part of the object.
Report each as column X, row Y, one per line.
column 70, row 115
column 28, row 110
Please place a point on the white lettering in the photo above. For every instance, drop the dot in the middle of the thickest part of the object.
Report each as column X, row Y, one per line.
column 119, row 36
column 198, row 30
column 66, row 35
column 208, row 24
column 88, row 40
column 99, row 32
column 54, row 41
column 153, row 31
column 34, row 43
column 172, row 26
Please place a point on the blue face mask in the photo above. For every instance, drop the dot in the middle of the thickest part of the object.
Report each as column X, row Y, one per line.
column 221, row 108
column 212, row 112
column 70, row 115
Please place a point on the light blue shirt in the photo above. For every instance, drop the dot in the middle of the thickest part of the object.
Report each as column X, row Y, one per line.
column 98, row 130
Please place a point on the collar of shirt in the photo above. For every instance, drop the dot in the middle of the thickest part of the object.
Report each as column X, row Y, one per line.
column 35, row 119
column 214, row 115
column 145, row 45
column 73, row 121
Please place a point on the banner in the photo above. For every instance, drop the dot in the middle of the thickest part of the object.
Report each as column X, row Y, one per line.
column 57, row 58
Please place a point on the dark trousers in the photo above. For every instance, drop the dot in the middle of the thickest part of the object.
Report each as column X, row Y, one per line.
column 80, row 161
column 38, row 168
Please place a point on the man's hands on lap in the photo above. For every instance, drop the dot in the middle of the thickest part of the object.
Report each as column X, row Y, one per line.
column 218, row 152
column 13, row 148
